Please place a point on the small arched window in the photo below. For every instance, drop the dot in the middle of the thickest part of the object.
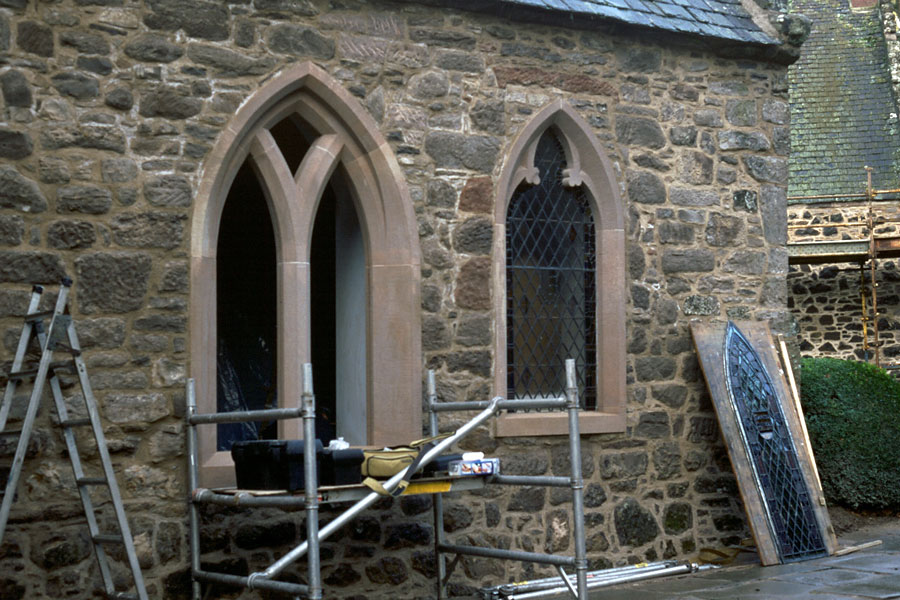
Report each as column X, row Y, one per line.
column 560, row 216
column 550, row 272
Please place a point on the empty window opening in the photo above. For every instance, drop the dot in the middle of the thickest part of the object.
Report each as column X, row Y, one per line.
column 294, row 137
column 338, row 317
column 246, row 311
column 550, row 283
column 303, row 141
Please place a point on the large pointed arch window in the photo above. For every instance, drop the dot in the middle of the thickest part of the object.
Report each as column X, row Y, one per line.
column 303, row 230
column 559, row 215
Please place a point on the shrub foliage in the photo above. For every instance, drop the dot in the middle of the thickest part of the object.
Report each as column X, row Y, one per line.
column 853, row 416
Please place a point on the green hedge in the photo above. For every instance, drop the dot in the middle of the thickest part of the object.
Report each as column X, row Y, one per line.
column 853, row 416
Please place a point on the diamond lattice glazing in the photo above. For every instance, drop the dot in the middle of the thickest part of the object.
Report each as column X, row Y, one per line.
column 550, row 289
column 772, row 452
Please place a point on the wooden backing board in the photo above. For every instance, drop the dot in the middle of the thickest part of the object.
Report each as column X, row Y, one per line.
column 795, row 397
column 709, row 340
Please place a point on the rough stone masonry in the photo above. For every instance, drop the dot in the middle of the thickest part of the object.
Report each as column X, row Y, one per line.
column 110, row 109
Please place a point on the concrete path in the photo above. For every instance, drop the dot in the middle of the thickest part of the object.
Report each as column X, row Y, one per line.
column 866, row 574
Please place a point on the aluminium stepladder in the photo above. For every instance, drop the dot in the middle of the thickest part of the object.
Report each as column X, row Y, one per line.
column 55, row 332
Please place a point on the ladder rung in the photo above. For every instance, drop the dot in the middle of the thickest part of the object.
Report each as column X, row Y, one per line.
column 122, row 596
column 108, row 538
column 21, row 375
column 91, row 481
column 75, row 422
column 60, row 347
column 37, row 316
column 60, row 364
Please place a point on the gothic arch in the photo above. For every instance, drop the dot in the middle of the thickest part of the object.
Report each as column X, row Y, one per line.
column 346, row 139
column 587, row 166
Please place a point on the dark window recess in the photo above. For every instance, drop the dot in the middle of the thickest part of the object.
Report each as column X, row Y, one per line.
column 322, row 260
column 246, row 310
column 550, row 283
column 294, row 137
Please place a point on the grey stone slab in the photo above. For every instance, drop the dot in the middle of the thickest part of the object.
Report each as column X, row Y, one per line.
column 828, row 576
column 885, row 586
column 754, row 590
column 870, row 574
column 875, row 563
column 624, row 593
column 819, row 595
column 775, row 571
column 737, row 575
column 681, row 585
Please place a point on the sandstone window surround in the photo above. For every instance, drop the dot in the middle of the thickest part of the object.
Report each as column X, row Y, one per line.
column 348, row 143
column 590, row 169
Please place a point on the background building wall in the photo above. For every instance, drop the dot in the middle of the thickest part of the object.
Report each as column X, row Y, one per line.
column 832, row 318
column 838, row 131
column 109, row 112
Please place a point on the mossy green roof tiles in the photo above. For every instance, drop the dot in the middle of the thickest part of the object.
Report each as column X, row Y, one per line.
column 843, row 111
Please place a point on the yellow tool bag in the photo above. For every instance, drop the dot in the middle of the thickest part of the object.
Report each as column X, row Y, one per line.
column 385, row 463
column 388, row 462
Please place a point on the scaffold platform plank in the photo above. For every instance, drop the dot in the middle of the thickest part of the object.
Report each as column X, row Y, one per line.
column 821, row 252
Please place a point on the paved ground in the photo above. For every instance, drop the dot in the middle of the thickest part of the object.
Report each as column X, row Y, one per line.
column 866, row 574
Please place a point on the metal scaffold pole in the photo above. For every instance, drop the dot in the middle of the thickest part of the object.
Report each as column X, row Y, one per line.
column 873, row 258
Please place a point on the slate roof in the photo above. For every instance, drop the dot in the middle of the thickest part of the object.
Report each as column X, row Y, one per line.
column 719, row 19
column 843, row 111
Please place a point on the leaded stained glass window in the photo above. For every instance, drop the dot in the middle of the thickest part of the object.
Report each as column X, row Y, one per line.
column 550, row 283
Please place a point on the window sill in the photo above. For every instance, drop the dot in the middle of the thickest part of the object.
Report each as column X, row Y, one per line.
column 217, row 471
column 541, row 423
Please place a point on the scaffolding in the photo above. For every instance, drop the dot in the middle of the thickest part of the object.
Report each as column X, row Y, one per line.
column 864, row 245
column 313, row 495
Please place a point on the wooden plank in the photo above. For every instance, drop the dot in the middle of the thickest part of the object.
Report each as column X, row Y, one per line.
column 885, row 244
column 352, row 492
column 795, row 396
column 851, row 549
column 709, row 340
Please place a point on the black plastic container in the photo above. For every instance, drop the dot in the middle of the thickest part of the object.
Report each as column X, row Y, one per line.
column 341, row 467
column 278, row 465
column 271, row 464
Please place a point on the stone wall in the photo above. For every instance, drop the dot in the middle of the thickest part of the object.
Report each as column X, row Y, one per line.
column 826, row 304
column 110, row 109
